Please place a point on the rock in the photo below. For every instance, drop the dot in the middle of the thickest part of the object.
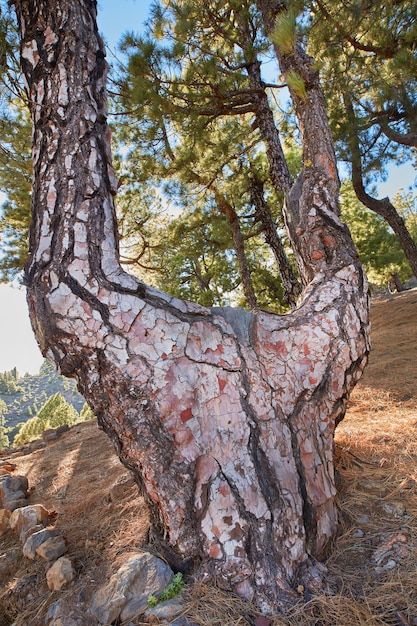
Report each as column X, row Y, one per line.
column 30, row 531
column 4, row 520
column 36, row 539
column 61, row 573
column 63, row 613
column 165, row 610
column 390, row 564
column 12, row 488
column 12, row 505
column 126, row 594
column 52, row 548
column 24, row 518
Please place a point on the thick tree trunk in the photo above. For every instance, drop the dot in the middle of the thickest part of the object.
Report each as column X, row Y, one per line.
column 225, row 417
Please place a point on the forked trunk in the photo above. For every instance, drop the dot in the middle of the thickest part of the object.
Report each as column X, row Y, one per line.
column 225, row 417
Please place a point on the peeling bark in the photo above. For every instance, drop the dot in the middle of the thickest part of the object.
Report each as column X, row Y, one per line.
column 225, row 417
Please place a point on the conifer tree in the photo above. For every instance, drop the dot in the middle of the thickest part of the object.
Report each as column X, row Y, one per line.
column 224, row 416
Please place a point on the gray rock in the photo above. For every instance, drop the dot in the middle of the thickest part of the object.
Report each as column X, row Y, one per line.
column 12, row 489
column 52, row 548
column 166, row 610
column 63, row 613
column 393, row 508
column 127, row 592
column 36, row 539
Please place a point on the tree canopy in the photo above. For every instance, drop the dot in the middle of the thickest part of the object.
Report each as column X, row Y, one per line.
column 192, row 98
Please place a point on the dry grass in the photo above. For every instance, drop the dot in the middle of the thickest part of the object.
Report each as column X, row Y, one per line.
column 376, row 453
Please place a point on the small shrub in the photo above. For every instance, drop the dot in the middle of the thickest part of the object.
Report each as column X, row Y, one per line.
column 171, row 591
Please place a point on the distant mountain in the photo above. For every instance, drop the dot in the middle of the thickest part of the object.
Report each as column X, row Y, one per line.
column 25, row 395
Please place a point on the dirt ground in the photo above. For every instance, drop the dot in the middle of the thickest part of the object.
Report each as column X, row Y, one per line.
column 372, row 572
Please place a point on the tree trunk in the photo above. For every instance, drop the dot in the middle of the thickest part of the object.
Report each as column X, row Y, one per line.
column 225, row 417
column 382, row 207
column 244, row 272
column 292, row 287
column 387, row 210
column 279, row 173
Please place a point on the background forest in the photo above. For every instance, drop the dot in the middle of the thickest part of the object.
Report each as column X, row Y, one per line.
column 190, row 102
column 31, row 404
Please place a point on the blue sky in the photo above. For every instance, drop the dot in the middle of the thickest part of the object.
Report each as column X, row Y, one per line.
column 17, row 344
column 18, row 347
column 115, row 17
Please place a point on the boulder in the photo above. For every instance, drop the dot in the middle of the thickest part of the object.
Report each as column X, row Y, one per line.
column 52, row 548
column 36, row 539
column 127, row 592
column 165, row 611
column 24, row 518
column 12, row 488
column 61, row 573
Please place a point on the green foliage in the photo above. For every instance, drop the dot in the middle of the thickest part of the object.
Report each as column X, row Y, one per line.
column 378, row 248
column 16, row 182
column 296, row 83
column 171, row 591
column 8, row 383
column 33, row 392
column 86, row 413
column 194, row 130
column 54, row 413
column 406, row 204
column 4, row 439
column 284, row 35
column 369, row 56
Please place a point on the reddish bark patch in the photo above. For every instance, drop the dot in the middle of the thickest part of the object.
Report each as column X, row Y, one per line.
column 186, row 415
column 222, row 383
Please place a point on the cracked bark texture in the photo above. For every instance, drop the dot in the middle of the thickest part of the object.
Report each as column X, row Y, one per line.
column 225, row 417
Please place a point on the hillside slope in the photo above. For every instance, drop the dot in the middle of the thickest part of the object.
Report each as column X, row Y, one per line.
column 104, row 520
column 33, row 392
